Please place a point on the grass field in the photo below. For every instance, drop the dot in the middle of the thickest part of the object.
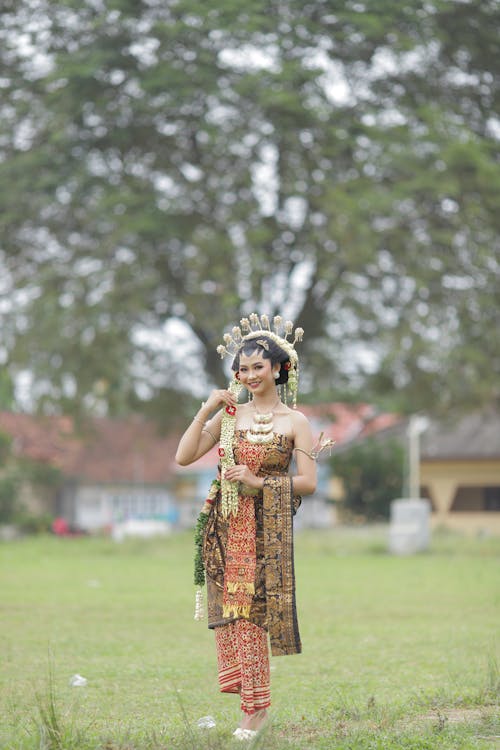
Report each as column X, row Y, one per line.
column 398, row 652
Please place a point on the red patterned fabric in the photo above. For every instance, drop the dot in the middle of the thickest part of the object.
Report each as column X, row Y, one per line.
column 239, row 574
column 239, row 578
column 243, row 662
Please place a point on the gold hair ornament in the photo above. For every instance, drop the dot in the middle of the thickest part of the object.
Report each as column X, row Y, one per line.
column 263, row 343
column 258, row 328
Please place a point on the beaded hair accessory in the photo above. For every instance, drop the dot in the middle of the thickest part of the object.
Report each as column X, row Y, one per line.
column 258, row 328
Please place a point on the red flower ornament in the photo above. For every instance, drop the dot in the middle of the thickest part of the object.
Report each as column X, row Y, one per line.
column 231, row 410
column 222, row 452
column 287, row 365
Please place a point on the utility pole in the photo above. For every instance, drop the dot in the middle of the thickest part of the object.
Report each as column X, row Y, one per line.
column 416, row 427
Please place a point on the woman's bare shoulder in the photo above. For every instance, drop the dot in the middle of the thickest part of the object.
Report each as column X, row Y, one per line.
column 299, row 422
column 298, row 418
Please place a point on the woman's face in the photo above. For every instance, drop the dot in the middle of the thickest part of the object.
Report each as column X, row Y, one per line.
column 256, row 372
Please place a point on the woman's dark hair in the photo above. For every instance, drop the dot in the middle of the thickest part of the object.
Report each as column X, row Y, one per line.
column 274, row 352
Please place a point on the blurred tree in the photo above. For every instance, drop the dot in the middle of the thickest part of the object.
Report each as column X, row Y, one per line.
column 372, row 477
column 7, row 398
column 191, row 160
column 9, row 488
column 15, row 471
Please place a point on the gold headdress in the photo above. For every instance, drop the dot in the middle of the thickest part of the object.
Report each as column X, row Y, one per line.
column 258, row 329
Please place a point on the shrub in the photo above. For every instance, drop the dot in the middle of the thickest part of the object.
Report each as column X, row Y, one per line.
column 8, row 498
column 372, row 475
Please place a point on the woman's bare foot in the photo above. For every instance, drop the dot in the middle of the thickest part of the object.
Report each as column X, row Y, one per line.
column 259, row 719
column 254, row 721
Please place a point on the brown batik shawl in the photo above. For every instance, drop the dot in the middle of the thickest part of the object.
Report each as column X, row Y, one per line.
column 273, row 604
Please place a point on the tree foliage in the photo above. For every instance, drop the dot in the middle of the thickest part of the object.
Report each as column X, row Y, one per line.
column 372, row 477
column 16, row 471
column 8, row 481
column 335, row 162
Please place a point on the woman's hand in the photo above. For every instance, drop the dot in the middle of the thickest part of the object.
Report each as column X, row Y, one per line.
column 218, row 398
column 241, row 473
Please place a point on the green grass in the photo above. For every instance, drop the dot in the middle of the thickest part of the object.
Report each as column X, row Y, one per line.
column 398, row 652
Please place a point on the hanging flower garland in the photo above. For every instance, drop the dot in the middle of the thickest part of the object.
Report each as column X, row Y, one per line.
column 229, row 495
column 229, row 490
column 199, row 532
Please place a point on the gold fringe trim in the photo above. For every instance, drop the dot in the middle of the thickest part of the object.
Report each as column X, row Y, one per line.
column 229, row 497
column 247, row 586
column 232, row 610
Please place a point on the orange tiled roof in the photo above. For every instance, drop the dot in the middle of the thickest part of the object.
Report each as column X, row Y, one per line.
column 105, row 451
column 345, row 422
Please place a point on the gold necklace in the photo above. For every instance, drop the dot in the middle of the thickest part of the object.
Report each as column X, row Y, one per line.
column 261, row 430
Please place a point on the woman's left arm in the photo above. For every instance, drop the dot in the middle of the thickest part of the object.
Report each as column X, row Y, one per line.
column 304, row 481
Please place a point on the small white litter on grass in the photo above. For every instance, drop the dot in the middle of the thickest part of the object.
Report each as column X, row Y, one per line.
column 77, row 681
column 206, row 722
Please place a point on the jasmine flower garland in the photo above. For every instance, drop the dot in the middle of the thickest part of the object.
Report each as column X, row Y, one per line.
column 229, row 497
column 229, row 494
column 199, row 532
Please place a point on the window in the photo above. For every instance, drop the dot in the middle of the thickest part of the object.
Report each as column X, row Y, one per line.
column 141, row 504
column 492, row 498
column 476, row 499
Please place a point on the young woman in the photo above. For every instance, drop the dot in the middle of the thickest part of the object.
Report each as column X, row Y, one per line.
column 248, row 536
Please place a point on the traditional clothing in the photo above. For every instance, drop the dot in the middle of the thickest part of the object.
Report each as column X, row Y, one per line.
column 248, row 558
column 243, row 662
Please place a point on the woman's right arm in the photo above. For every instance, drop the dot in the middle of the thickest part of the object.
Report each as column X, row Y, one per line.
column 201, row 435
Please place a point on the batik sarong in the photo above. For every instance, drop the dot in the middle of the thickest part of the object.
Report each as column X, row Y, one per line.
column 243, row 662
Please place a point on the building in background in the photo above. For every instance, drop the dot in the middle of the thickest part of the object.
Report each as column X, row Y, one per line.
column 459, row 468
column 109, row 471
column 115, row 470
column 460, row 472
